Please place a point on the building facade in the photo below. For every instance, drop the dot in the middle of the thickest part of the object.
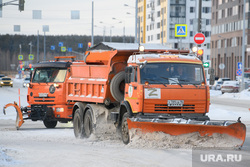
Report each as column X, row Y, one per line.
column 226, row 39
column 157, row 19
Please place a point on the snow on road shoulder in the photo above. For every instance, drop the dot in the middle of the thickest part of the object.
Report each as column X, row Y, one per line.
column 244, row 95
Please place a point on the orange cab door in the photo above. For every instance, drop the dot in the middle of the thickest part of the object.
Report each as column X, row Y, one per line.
column 133, row 91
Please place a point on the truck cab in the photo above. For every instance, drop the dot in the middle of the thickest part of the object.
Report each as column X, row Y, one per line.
column 166, row 84
column 46, row 93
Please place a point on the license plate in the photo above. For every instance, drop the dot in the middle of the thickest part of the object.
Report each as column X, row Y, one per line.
column 175, row 103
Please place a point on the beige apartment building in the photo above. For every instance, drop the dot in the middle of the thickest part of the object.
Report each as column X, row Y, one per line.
column 226, row 37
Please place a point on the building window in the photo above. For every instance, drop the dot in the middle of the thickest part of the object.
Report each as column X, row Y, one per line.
column 192, row 9
column 206, row 10
column 158, row 25
column 191, row 33
column 207, row 34
column 208, row 21
column 159, row 14
column 158, row 36
column 159, row 2
column 191, row 21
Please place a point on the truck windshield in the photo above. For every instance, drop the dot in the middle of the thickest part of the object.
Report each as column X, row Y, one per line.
column 172, row 73
column 44, row 75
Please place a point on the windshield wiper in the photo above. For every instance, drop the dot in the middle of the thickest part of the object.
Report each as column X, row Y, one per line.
column 172, row 80
column 155, row 81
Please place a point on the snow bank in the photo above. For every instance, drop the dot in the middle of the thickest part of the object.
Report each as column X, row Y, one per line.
column 243, row 95
column 160, row 140
column 5, row 159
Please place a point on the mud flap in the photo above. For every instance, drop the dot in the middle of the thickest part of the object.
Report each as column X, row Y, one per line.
column 236, row 130
column 19, row 117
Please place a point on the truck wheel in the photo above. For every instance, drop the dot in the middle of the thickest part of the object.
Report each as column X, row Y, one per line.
column 50, row 124
column 88, row 124
column 124, row 129
column 117, row 86
column 78, row 123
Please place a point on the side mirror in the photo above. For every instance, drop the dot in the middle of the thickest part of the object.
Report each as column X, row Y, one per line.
column 30, row 75
column 128, row 71
column 127, row 77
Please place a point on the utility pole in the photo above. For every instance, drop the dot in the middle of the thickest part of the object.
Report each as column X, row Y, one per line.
column 136, row 19
column 92, row 31
column 199, row 16
column 243, row 47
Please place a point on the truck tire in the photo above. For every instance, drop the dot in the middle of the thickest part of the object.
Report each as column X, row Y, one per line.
column 88, row 124
column 124, row 129
column 117, row 86
column 50, row 124
column 78, row 123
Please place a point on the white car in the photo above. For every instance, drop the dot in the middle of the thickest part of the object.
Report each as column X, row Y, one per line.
column 230, row 87
column 26, row 82
column 217, row 85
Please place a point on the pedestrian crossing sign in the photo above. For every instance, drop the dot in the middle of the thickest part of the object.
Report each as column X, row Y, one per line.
column 180, row 30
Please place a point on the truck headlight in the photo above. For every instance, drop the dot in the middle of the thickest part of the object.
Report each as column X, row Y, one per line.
column 59, row 109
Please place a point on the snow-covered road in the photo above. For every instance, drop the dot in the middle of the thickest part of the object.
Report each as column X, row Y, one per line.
column 34, row 145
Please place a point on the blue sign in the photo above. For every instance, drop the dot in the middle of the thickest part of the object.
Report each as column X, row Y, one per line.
column 60, row 44
column 69, row 49
column 80, row 45
column 239, row 72
column 239, row 65
column 52, row 47
column 19, row 72
column 180, row 30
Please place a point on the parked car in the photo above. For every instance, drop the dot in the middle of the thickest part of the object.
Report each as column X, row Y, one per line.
column 217, row 85
column 224, row 79
column 230, row 87
column 26, row 82
column 6, row 81
column 1, row 76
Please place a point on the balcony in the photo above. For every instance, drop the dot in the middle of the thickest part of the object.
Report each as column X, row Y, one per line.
column 177, row 2
column 177, row 14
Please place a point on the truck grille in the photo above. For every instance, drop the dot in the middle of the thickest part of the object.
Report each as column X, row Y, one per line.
column 165, row 108
column 44, row 99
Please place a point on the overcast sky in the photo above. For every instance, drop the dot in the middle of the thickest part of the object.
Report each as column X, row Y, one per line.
column 57, row 14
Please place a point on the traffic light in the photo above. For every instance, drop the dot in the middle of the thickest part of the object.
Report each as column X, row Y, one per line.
column 200, row 54
column 89, row 44
column 30, row 66
column 21, row 67
column 21, row 5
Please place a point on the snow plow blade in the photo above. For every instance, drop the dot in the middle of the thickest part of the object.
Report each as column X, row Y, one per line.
column 176, row 127
column 19, row 117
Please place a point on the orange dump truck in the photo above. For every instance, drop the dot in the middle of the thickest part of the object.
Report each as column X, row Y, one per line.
column 46, row 94
column 156, row 91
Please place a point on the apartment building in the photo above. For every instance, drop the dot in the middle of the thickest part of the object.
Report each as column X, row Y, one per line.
column 157, row 19
column 226, row 39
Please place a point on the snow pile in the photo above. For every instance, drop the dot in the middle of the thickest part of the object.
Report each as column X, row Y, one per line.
column 243, row 95
column 160, row 140
column 6, row 160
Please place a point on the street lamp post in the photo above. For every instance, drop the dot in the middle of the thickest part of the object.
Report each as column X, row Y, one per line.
column 111, row 26
column 123, row 28
column 136, row 11
column 243, row 47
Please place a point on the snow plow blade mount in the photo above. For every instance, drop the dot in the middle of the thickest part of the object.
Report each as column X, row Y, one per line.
column 181, row 126
column 19, row 117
